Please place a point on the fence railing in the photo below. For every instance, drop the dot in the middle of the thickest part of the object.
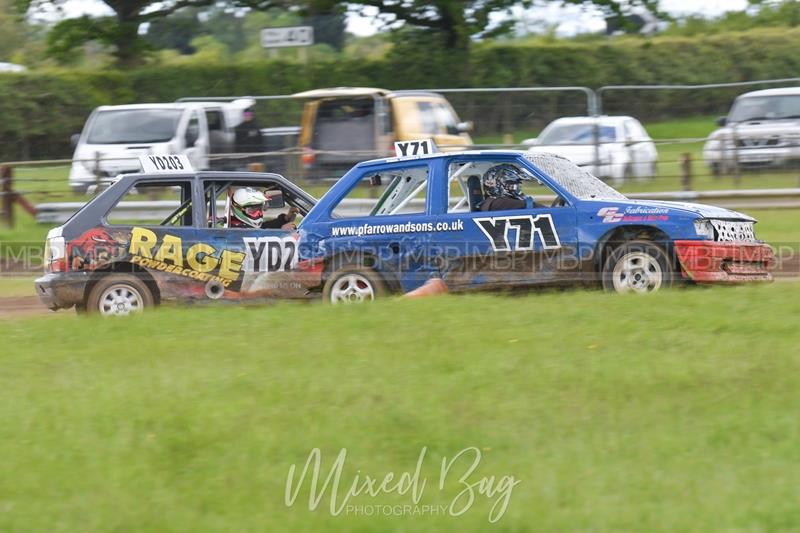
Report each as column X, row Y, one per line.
column 59, row 212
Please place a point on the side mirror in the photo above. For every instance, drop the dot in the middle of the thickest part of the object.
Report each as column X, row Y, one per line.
column 375, row 180
column 530, row 142
column 276, row 201
column 721, row 121
column 73, row 140
column 465, row 127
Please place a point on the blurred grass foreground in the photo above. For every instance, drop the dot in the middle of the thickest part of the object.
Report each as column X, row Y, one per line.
column 671, row 412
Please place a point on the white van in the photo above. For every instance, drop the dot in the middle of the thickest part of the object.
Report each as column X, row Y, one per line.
column 115, row 136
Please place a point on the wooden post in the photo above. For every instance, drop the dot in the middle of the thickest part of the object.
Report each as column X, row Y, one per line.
column 686, row 171
column 256, row 167
column 6, row 176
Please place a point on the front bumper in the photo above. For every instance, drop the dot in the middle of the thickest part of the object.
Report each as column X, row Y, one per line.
column 725, row 262
column 61, row 290
column 761, row 156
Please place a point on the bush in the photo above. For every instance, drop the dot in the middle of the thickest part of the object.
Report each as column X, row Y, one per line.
column 42, row 109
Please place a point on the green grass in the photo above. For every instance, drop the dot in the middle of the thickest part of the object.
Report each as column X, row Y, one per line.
column 16, row 286
column 672, row 412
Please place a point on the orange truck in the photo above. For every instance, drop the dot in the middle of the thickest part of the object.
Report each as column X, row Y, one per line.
column 344, row 125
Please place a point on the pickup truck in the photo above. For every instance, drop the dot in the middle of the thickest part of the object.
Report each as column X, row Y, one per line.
column 762, row 130
column 114, row 137
column 344, row 125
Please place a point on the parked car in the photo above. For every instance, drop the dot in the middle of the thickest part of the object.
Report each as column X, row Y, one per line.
column 762, row 129
column 429, row 220
column 115, row 257
column 114, row 136
column 609, row 147
column 345, row 125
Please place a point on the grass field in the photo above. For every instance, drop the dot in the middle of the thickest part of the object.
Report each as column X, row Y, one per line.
column 671, row 412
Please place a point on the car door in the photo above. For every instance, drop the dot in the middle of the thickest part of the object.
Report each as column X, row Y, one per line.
column 502, row 249
column 262, row 259
column 383, row 223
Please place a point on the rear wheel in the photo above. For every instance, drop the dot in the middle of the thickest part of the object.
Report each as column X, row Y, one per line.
column 119, row 295
column 353, row 284
column 638, row 266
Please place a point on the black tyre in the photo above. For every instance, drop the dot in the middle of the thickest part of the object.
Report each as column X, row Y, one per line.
column 638, row 266
column 119, row 295
column 353, row 283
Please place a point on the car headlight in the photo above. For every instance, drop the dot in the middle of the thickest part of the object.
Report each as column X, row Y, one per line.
column 703, row 228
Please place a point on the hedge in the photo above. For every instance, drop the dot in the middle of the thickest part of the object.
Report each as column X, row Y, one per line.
column 41, row 109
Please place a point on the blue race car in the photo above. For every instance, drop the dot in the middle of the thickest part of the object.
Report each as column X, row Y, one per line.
column 438, row 216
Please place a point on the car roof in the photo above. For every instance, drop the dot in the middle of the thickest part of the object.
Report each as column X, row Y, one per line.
column 341, row 91
column 603, row 119
column 439, row 155
column 237, row 103
column 405, row 94
column 782, row 91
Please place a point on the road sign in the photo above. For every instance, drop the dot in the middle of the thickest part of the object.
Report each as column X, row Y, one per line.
column 287, row 36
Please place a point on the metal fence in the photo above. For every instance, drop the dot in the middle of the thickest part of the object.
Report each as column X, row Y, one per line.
column 688, row 156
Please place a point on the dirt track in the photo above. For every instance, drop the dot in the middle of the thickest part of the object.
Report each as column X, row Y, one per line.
column 21, row 306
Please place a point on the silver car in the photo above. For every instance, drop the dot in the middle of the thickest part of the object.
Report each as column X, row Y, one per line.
column 761, row 130
column 615, row 147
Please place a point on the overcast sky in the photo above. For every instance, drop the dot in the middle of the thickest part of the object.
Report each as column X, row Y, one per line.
column 571, row 19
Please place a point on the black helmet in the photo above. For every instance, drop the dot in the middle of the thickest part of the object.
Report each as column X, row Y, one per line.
column 503, row 180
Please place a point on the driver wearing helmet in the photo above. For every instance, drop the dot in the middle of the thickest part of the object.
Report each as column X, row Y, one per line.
column 247, row 210
column 502, row 188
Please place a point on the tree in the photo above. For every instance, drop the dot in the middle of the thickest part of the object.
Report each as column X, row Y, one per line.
column 120, row 31
column 462, row 21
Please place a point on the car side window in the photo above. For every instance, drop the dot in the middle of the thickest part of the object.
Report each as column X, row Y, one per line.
column 280, row 201
column 390, row 192
column 427, row 118
column 175, row 207
column 467, row 191
column 192, row 131
column 445, row 119
column 215, row 120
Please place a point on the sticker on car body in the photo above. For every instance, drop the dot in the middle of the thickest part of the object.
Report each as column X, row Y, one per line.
column 527, row 229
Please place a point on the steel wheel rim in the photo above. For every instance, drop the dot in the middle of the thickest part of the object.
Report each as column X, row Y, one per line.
column 637, row 272
column 120, row 299
column 352, row 288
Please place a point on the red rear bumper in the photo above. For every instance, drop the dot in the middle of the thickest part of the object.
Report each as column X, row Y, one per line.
column 725, row 262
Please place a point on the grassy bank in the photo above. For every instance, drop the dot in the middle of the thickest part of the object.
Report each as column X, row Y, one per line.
column 671, row 412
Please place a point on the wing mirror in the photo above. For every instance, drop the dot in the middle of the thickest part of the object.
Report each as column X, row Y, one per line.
column 73, row 140
column 721, row 121
column 465, row 127
column 275, row 200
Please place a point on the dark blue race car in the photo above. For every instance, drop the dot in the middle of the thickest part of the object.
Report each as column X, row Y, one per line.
column 433, row 217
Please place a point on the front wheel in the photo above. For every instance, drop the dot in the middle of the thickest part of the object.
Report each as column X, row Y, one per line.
column 119, row 295
column 638, row 266
column 353, row 284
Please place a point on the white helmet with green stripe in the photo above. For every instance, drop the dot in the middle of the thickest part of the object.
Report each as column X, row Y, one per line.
column 248, row 206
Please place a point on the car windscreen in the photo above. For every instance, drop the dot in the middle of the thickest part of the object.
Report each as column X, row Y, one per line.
column 765, row 108
column 576, row 134
column 577, row 181
column 134, row 126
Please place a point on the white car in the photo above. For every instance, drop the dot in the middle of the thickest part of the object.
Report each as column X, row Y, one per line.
column 761, row 130
column 624, row 150
column 114, row 137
